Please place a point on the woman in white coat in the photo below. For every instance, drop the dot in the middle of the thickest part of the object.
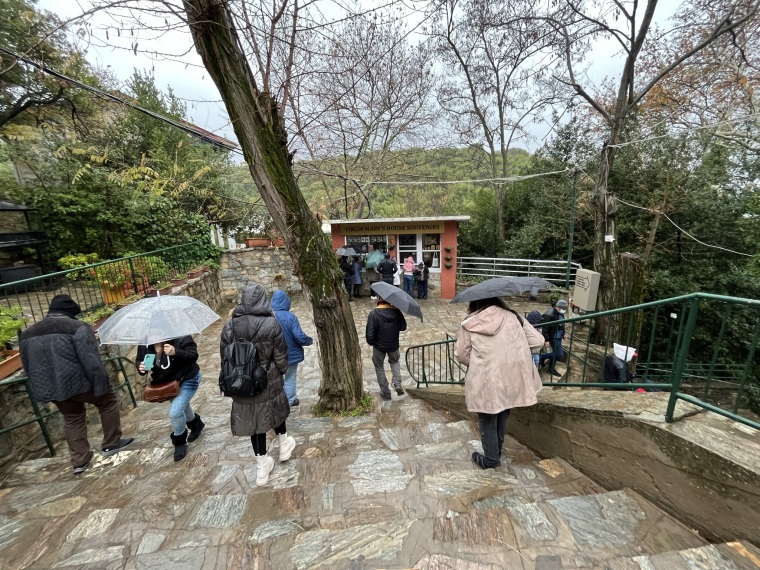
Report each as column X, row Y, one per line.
column 495, row 344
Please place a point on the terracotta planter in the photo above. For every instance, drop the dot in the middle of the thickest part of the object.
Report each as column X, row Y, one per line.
column 278, row 242
column 11, row 364
column 258, row 242
column 164, row 291
column 194, row 274
column 96, row 325
column 206, row 269
column 177, row 282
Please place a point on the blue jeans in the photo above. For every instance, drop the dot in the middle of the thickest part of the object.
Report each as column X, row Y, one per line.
column 180, row 411
column 291, row 377
column 409, row 284
column 554, row 355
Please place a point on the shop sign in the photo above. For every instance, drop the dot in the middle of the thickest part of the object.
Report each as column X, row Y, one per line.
column 393, row 228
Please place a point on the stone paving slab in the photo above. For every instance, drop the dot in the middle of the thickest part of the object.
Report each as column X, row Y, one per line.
column 395, row 489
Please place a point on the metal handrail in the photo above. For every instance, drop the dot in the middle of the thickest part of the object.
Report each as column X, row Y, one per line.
column 115, row 279
column 40, row 417
column 730, row 376
column 483, row 267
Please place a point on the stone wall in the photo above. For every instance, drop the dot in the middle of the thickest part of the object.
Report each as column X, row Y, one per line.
column 27, row 441
column 270, row 267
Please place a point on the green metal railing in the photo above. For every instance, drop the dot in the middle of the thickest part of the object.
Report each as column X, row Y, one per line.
column 701, row 348
column 39, row 416
column 99, row 284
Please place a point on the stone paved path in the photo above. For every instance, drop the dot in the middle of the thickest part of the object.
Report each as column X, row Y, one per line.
column 395, row 489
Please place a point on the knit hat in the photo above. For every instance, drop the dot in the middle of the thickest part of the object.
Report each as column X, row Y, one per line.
column 561, row 304
column 65, row 304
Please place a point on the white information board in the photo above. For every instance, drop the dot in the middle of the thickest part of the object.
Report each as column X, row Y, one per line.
column 586, row 289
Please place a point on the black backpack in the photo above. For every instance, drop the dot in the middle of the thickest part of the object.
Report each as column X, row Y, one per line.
column 242, row 374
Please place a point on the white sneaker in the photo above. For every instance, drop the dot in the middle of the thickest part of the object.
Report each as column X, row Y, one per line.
column 287, row 445
column 265, row 464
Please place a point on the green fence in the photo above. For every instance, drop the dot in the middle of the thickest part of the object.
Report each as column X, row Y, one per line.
column 701, row 348
column 104, row 283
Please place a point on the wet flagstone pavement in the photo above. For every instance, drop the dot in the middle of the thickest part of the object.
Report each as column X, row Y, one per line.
column 395, row 489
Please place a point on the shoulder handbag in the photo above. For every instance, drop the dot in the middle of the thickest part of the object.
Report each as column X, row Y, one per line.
column 157, row 393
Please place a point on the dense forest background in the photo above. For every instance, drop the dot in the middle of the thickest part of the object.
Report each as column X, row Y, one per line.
column 403, row 142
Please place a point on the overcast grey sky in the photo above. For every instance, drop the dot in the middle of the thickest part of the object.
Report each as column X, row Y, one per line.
column 189, row 80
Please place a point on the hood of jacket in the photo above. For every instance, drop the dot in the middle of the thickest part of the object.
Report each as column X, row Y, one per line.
column 387, row 313
column 488, row 321
column 253, row 301
column 280, row 301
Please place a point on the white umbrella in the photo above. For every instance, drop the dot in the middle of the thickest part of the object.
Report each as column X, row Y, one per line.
column 156, row 319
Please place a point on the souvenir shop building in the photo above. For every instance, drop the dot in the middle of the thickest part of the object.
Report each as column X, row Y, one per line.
column 432, row 240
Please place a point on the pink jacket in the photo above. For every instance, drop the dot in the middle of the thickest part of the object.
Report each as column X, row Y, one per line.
column 501, row 374
column 409, row 265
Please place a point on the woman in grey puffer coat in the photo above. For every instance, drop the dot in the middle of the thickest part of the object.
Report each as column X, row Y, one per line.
column 253, row 320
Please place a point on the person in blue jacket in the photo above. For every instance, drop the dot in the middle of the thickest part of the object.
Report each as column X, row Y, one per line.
column 294, row 337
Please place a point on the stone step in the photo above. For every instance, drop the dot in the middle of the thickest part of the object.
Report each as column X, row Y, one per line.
column 727, row 556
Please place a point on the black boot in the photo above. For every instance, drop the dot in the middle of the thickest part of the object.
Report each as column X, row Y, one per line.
column 180, row 445
column 196, row 426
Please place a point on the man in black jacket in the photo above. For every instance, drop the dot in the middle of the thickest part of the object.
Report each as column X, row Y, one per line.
column 61, row 358
column 553, row 335
column 384, row 325
column 387, row 268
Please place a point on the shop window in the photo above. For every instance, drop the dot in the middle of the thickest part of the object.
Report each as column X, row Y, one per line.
column 431, row 250
column 365, row 244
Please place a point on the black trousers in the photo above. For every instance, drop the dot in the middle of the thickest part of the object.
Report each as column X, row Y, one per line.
column 492, row 430
column 259, row 440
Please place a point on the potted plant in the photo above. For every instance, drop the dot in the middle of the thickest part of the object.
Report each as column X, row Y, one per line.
column 98, row 316
column 257, row 241
column 179, row 279
column 195, row 272
column 448, row 248
column 448, row 265
column 161, row 287
column 11, row 322
column 128, row 300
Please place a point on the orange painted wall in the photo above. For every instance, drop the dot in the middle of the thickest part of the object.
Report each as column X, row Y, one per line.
column 448, row 274
column 337, row 239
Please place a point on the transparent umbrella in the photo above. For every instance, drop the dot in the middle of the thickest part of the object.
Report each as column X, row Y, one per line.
column 155, row 319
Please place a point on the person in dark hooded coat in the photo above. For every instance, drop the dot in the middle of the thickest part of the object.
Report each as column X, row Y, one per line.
column 384, row 324
column 253, row 321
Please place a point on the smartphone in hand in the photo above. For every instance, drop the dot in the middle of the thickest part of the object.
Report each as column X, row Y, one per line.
column 148, row 360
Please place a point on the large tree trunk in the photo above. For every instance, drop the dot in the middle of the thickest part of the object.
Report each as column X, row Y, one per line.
column 261, row 133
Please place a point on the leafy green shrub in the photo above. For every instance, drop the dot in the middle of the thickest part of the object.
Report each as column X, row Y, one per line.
column 75, row 261
column 11, row 322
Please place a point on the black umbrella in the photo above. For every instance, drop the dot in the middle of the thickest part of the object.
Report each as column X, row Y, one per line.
column 347, row 251
column 501, row 287
column 398, row 298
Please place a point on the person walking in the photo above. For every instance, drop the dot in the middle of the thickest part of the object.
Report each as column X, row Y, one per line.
column 61, row 359
column 421, row 274
column 176, row 359
column 409, row 276
column 356, row 268
column 253, row 321
column 616, row 369
column 495, row 344
column 553, row 335
column 295, row 338
column 347, row 268
column 387, row 268
column 384, row 325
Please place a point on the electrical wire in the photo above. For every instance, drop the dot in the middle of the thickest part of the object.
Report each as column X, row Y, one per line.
column 663, row 214
column 110, row 96
column 699, row 128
